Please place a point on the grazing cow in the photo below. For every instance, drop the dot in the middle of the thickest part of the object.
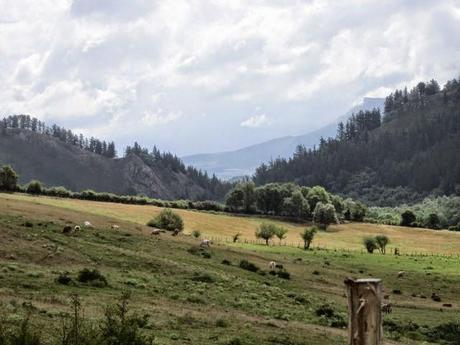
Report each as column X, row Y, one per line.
column 205, row 242
column 88, row 224
column 401, row 274
column 272, row 265
column 115, row 227
column 397, row 251
column 77, row 228
column 156, row 232
column 67, row 229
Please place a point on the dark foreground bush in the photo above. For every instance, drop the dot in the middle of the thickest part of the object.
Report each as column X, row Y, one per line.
column 167, row 220
column 200, row 251
column 330, row 316
column 248, row 266
column 64, row 278
column 92, row 277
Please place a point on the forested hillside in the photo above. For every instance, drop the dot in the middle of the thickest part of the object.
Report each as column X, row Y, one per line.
column 58, row 157
column 408, row 153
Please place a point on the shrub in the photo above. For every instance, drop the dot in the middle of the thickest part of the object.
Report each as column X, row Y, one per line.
column 226, row 262
column 332, row 318
column 167, row 220
column 324, row 215
column 281, row 232
column 370, row 244
column 8, row 179
column 199, row 251
column 432, row 221
column 34, row 187
column 307, row 236
column 64, row 278
column 284, row 274
column 196, row 233
column 248, row 266
column 221, row 323
column 449, row 332
column 407, row 218
column 121, row 327
column 94, row 277
column 266, row 232
column 382, row 241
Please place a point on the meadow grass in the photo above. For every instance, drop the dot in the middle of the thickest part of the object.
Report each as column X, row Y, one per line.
column 184, row 293
column 224, row 226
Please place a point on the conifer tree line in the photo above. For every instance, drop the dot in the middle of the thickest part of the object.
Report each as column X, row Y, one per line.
column 412, row 150
column 26, row 122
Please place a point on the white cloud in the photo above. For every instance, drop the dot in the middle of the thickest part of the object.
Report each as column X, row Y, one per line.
column 256, row 121
column 158, row 118
column 108, row 67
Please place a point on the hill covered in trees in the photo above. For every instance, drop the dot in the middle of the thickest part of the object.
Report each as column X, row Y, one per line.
column 408, row 153
column 58, row 157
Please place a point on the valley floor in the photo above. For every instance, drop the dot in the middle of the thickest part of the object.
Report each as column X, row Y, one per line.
column 191, row 297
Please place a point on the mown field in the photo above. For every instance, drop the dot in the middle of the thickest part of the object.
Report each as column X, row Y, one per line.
column 192, row 298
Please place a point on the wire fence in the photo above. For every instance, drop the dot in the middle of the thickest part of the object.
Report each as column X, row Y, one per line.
column 299, row 245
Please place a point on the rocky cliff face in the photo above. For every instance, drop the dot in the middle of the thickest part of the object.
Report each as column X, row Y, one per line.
column 54, row 163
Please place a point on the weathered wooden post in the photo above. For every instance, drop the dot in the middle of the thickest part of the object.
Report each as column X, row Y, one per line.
column 364, row 311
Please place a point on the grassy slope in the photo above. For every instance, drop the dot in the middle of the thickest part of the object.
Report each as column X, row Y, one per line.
column 224, row 226
column 159, row 273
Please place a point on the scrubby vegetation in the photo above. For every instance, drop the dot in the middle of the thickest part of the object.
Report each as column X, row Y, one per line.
column 167, row 220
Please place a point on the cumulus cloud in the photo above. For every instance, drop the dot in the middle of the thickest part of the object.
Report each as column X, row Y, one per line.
column 256, row 121
column 148, row 70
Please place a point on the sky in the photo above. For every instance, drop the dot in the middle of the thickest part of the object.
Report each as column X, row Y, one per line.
column 207, row 76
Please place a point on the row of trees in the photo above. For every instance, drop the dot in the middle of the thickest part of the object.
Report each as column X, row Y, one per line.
column 291, row 200
column 26, row 122
column 415, row 147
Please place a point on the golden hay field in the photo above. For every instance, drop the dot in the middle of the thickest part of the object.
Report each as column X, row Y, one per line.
column 223, row 226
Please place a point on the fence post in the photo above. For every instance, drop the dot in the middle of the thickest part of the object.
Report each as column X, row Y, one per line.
column 364, row 311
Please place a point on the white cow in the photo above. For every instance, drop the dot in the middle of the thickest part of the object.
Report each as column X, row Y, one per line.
column 87, row 224
column 272, row 265
column 205, row 242
column 77, row 228
column 115, row 227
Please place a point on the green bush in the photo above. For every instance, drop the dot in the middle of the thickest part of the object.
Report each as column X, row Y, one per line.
column 167, row 220
column 8, row 179
column 382, row 242
column 266, row 231
column 64, row 278
column 408, row 218
column 120, row 327
column 93, row 277
column 370, row 244
column 34, row 187
column 248, row 266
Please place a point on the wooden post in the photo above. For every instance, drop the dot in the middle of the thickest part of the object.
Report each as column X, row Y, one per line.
column 364, row 311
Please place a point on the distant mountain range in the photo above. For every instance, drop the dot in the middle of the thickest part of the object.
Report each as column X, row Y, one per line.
column 233, row 164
